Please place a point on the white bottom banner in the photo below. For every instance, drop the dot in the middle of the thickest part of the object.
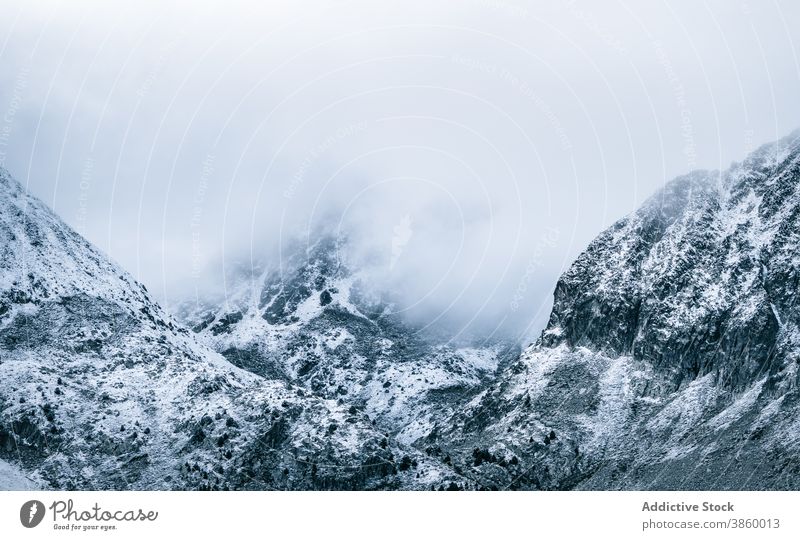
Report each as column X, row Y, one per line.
column 355, row 515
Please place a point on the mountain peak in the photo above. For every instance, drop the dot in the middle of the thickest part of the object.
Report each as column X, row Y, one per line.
column 670, row 360
column 102, row 391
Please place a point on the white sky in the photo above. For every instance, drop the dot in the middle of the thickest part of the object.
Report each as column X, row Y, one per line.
column 471, row 149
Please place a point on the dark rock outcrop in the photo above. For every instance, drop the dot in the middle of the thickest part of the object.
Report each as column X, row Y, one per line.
column 102, row 390
column 670, row 360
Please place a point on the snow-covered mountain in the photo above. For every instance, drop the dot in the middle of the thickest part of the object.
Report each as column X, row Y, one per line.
column 101, row 390
column 311, row 322
column 670, row 360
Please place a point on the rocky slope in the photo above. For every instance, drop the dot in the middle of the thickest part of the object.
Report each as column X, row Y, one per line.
column 101, row 390
column 310, row 322
column 670, row 360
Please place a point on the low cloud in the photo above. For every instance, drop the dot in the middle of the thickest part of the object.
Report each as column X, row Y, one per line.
column 468, row 153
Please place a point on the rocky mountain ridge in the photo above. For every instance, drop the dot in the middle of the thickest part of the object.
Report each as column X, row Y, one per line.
column 312, row 323
column 102, row 390
column 670, row 360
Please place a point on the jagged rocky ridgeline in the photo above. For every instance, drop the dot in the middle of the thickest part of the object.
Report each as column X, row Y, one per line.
column 101, row 390
column 670, row 360
column 309, row 322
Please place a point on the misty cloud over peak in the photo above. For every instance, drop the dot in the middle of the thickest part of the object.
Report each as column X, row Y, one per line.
column 468, row 155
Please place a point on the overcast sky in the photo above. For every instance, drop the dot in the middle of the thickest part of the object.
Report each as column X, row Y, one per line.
column 470, row 149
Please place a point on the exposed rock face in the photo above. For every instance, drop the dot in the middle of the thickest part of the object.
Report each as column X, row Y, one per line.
column 101, row 390
column 671, row 356
column 670, row 361
column 310, row 323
